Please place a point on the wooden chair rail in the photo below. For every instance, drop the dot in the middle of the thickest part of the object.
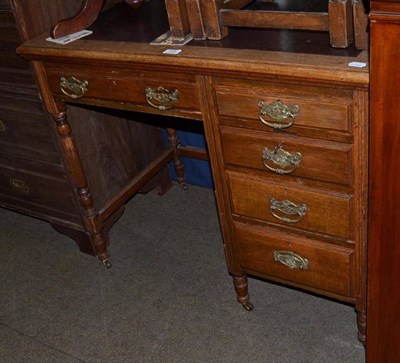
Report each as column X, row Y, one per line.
column 345, row 21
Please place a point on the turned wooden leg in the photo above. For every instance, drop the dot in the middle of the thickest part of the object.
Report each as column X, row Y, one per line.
column 241, row 287
column 362, row 326
column 173, row 142
column 91, row 219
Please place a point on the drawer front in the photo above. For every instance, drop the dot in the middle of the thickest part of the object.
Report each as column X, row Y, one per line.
column 294, row 207
column 165, row 92
column 298, row 260
column 287, row 155
column 275, row 106
column 25, row 130
column 29, row 188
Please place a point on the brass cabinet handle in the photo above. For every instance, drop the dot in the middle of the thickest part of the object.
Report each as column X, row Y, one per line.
column 291, row 212
column 286, row 162
column 2, row 127
column 291, row 260
column 282, row 116
column 161, row 98
column 73, row 87
column 19, row 186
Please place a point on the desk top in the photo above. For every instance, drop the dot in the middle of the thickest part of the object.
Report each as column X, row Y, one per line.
column 305, row 55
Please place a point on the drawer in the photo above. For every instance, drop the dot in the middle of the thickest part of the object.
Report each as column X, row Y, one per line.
column 275, row 106
column 295, row 260
column 149, row 91
column 291, row 205
column 29, row 188
column 25, row 129
column 288, row 155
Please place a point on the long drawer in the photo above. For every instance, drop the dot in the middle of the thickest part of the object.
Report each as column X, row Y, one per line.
column 148, row 91
column 303, row 208
column 25, row 129
column 36, row 185
column 273, row 106
column 284, row 154
column 293, row 259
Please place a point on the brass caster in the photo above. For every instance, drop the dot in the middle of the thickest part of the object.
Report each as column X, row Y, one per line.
column 184, row 186
column 248, row 306
column 107, row 263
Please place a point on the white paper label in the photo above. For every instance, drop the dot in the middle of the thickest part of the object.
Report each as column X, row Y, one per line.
column 357, row 64
column 71, row 37
column 172, row 51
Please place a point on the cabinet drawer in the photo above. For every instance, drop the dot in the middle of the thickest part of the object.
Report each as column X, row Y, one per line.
column 303, row 262
column 284, row 154
column 299, row 106
column 25, row 129
column 292, row 206
column 149, row 91
column 29, row 188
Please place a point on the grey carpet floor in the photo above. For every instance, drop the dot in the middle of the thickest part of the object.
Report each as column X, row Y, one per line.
column 168, row 297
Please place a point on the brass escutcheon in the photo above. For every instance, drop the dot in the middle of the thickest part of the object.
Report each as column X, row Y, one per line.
column 161, row 98
column 19, row 186
column 291, row 260
column 287, row 163
column 288, row 209
column 283, row 116
column 73, row 87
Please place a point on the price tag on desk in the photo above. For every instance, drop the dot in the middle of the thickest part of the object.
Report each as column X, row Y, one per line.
column 357, row 64
column 172, row 51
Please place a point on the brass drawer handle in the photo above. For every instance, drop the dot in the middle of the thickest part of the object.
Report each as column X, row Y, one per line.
column 73, row 87
column 2, row 127
column 287, row 163
column 161, row 98
column 19, row 186
column 291, row 260
column 283, row 116
column 292, row 213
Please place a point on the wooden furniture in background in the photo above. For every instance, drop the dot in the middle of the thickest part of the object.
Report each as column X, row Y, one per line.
column 344, row 20
column 33, row 176
column 287, row 136
column 384, row 230
column 86, row 16
column 219, row 15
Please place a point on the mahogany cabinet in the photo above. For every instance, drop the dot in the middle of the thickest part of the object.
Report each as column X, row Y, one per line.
column 384, row 231
column 33, row 176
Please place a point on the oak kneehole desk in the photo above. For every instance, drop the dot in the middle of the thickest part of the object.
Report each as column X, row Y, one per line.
column 287, row 137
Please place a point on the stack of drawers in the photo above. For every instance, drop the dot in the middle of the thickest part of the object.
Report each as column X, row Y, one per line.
column 293, row 166
column 31, row 172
